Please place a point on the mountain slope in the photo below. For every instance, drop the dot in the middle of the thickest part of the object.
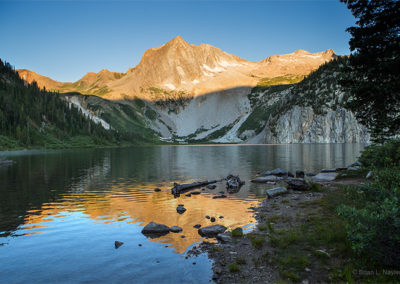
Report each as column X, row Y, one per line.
column 178, row 68
column 311, row 111
column 34, row 118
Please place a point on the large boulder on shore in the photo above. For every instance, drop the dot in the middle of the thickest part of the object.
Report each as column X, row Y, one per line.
column 212, row 231
column 297, row 184
column 324, row 177
column 276, row 191
column 155, row 229
column 266, row 179
column 276, row 172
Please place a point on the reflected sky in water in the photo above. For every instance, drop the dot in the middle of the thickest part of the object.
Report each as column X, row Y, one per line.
column 61, row 211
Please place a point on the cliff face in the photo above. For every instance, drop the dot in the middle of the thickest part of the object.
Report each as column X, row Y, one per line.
column 303, row 125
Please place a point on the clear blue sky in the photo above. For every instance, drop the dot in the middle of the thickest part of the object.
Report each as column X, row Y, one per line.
column 66, row 39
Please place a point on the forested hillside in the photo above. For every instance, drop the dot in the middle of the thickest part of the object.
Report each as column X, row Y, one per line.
column 31, row 117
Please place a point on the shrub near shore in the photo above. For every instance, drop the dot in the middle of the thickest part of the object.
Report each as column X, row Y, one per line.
column 373, row 220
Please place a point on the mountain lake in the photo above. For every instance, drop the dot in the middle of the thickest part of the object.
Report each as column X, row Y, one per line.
column 61, row 211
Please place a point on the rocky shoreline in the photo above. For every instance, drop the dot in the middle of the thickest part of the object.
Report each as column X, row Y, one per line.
column 253, row 257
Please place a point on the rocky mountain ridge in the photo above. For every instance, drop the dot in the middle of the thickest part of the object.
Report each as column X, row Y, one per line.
column 197, row 94
column 180, row 67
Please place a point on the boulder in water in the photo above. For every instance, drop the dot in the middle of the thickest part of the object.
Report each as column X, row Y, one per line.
column 212, row 231
column 155, row 229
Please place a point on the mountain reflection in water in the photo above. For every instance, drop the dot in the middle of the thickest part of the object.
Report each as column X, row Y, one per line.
column 63, row 210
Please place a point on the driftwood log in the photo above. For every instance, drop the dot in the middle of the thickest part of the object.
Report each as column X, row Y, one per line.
column 180, row 188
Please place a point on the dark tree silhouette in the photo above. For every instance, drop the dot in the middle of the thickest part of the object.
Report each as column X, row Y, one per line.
column 373, row 77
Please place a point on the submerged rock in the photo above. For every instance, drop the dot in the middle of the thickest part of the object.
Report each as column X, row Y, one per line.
column 212, row 219
column 195, row 192
column 117, row 244
column 157, row 189
column 197, row 226
column 324, row 177
column 155, row 229
column 276, row 191
column 175, row 229
column 211, row 186
column 299, row 174
column 211, row 231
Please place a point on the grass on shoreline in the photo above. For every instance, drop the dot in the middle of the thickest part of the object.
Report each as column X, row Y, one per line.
column 317, row 247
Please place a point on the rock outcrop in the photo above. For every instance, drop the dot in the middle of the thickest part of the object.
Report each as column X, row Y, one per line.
column 303, row 125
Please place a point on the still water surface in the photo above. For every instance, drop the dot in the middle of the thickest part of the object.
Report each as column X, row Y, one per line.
column 61, row 211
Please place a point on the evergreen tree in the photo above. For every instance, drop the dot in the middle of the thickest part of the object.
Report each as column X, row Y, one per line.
column 373, row 77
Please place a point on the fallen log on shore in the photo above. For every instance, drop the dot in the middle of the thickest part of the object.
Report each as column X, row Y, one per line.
column 180, row 188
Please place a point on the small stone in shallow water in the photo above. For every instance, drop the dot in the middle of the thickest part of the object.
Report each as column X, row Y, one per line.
column 183, row 236
column 211, row 186
column 219, row 196
column 157, row 189
column 180, row 209
column 176, row 229
column 221, row 192
column 195, row 192
column 197, row 226
column 212, row 219
column 221, row 217
column 117, row 244
column 188, row 195
column 140, row 245
column 194, row 263
column 208, row 217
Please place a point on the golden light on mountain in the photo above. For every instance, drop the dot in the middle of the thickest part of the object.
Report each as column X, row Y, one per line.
column 191, row 70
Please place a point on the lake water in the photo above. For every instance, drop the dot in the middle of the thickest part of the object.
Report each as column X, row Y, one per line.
column 62, row 211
